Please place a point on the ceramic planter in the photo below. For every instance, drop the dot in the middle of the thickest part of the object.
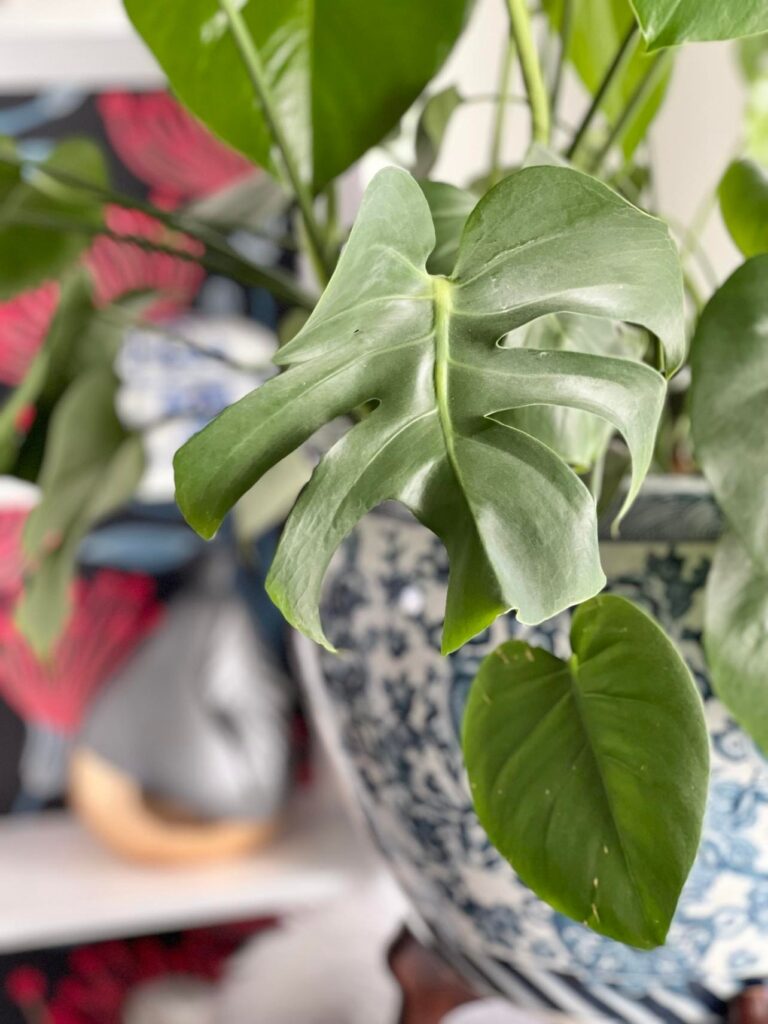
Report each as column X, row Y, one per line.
column 395, row 707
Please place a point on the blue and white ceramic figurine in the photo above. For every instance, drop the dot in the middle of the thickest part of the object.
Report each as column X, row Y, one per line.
column 397, row 705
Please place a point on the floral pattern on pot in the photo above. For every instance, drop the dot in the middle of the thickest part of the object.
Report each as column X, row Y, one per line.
column 398, row 705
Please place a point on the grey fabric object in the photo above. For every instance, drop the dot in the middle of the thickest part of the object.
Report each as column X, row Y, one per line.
column 198, row 715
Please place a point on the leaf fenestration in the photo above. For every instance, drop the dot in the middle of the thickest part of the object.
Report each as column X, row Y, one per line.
column 518, row 524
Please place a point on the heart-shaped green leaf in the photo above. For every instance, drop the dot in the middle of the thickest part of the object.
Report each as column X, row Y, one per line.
column 598, row 28
column 340, row 73
column 519, row 526
column 729, row 401
column 743, row 194
column 736, row 636
column 590, row 776
column 670, row 22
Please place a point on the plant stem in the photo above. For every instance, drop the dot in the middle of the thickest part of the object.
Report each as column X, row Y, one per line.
column 253, row 65
column 497, row 140
column 222, row 260
column 219, row 253
column 612, row 74
column 566, row 31
column 646, row 85
column 522, row 32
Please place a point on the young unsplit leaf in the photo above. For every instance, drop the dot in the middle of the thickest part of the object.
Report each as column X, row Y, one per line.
column 729, row 401
column 671, row 22
column 736, row 636
column 340, row 73
column 590, row 776
column 519, row 526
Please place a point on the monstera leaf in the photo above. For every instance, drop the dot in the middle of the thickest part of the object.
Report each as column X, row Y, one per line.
column 590, row 776
column 729, row 401
column 598, row 28
column 339, row 73
column 670, row 22
column 519, row 526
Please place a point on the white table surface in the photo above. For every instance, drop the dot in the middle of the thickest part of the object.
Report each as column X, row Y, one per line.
column 59, row 885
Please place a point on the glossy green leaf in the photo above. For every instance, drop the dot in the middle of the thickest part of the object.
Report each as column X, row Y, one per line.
column 340, row 73
column 729, row 401
column 598, row 30
column 91, row 467
column 590, row 776
column 519, row 526
column 736, row 636
column 743, row 194
column 671, row 22
column 37, row 240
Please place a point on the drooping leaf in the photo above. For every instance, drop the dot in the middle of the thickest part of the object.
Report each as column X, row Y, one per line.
column 37, row 215
column 598, row 28
column 671, row 22
column 91, row 467
column 519, row 526
column 743, row 194
column 340, row 73
column 736, row 636
column 590, row 776
column 729, row 401
column 432, row 126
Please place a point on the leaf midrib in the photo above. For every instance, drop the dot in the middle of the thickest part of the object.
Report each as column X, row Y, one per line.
column 578, row 702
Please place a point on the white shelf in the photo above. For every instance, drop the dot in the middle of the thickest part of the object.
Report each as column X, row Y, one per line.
column 84, row 44
column 59, row 886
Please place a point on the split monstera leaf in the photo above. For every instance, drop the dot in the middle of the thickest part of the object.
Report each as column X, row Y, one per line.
column 519, row 525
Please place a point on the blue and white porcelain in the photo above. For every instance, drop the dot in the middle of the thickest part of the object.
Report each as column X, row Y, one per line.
column 396, row 706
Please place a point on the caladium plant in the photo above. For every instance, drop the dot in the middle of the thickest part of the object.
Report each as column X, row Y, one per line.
column 485, row 346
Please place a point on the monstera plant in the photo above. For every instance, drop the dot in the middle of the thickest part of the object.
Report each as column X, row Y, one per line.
column 500, row 356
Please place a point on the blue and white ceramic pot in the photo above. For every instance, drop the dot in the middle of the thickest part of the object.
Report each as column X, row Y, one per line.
column 396, row 706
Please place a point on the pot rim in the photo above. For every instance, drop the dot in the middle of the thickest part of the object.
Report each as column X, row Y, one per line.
column 671, row 507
